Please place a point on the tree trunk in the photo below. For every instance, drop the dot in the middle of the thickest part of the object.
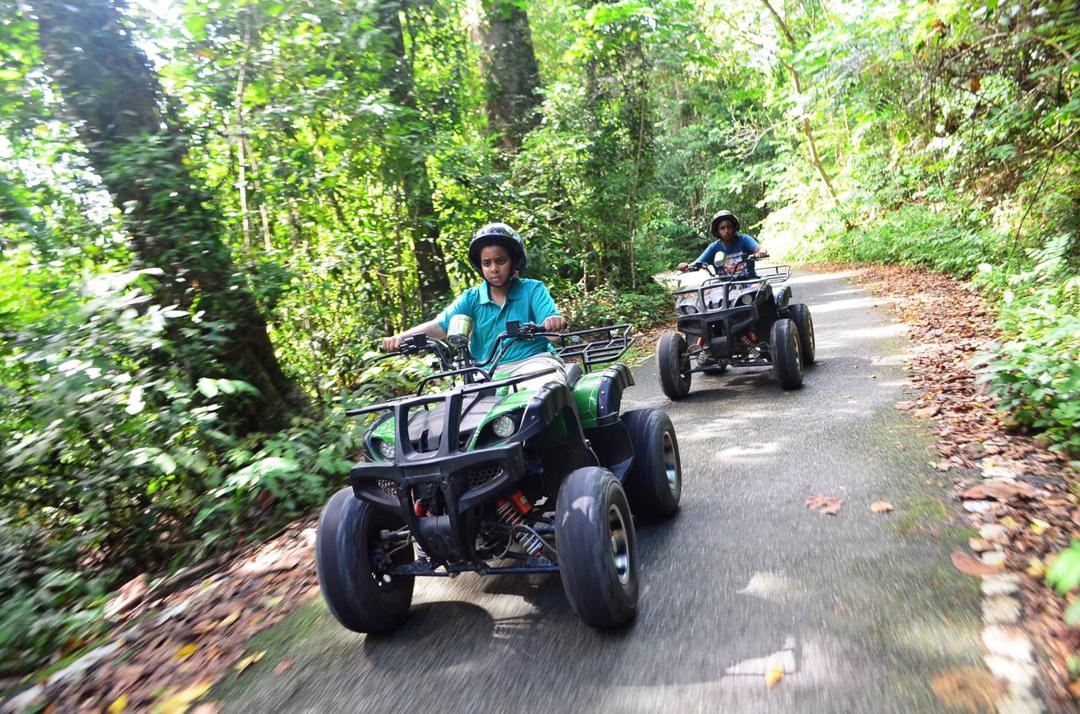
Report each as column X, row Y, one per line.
column 115, row 102
column 406, row 160
column 804, row 123
column 511, row 74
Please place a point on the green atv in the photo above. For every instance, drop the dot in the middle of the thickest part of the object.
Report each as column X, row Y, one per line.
column 494, row 476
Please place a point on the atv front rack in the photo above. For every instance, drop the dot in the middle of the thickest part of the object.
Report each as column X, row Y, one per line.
column 599, row 345
column 769, row 274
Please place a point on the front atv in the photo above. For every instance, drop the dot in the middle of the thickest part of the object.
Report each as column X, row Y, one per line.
column 501, row 474
column 736, row 318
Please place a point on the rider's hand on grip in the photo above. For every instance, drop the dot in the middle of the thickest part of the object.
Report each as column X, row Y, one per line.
column 555, row 323
column 391, row 344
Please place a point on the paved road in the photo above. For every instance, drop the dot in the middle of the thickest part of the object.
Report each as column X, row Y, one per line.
column 863, row 610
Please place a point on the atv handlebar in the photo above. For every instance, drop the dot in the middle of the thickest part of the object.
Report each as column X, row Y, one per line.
column 464, row 364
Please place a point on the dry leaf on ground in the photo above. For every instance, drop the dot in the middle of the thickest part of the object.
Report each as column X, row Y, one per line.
column 248, row 661
column 969, row 689
column 827, row 505
column 968, row 565
column 282, row 666
column 180, row 702
column 881, row 507
column 1003, row 491
column 773, row 675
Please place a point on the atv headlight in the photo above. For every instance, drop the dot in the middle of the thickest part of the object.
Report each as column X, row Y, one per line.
column 386, row 448
column 746, row 299
column 504, row 426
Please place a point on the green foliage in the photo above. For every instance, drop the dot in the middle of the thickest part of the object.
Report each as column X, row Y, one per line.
column 1064, row 575
column 606, row 305
column 922, row 238
column 1035, row 374
column 115, row 463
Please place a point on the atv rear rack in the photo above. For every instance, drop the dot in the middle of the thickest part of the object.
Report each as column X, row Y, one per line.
column 598, row 345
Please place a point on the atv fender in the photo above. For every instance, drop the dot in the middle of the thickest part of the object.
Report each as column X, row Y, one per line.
column 783, row 297
column 599, row 395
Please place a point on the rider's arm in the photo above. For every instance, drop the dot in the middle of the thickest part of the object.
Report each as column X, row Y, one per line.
column 749, row 245
column 706, row 257
column 544, row 309
column 709, row 254
column 431, row 328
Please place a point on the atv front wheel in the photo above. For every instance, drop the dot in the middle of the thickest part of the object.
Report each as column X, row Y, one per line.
column 597, row 545
column 358, row 592
column 673, row 365
column 654, row 482
column 785, row 354
column 801, row 315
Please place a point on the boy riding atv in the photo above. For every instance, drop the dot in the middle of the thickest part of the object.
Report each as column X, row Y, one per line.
column 492, row 473
column 497, row 252
column 725, row 228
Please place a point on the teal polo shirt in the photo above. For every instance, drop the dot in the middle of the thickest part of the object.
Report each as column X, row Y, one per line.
column 527, row 301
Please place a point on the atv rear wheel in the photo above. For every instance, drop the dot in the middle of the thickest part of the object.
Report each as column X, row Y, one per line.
column 785, row 354
column 358, row 593
column 673, row 365
column 597, row 544
column 805, row 323
column 654, row 482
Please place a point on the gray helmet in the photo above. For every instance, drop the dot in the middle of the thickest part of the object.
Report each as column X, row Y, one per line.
column 723, row 216
column 502, row 235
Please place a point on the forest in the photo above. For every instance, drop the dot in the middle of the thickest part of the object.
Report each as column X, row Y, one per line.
column 210, row 212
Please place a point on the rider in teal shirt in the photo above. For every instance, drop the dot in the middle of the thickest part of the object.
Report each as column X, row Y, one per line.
column 498, row 254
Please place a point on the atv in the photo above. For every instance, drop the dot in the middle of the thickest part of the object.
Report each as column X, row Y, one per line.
column 500, row 474
column 736, row 318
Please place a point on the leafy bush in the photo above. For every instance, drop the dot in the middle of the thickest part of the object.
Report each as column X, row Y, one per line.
column 117, row 463
column 606, row 305
column 1036, row 374
column 922, row 238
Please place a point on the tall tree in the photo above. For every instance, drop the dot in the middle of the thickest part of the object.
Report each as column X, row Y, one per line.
column 406, row 161
column 139, row 150
column 511, row 74
column 804, row 121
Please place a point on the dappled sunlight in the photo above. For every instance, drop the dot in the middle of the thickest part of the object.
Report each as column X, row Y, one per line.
column 834, row 293
column 859, row 303
column 755, row 450
column 934, row 638
column 811, row 278
column 782, row 660
column 773, row 587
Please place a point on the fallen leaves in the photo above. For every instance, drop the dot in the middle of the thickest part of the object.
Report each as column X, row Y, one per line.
column 283, row 666
column 178, row 703
column 248, row 661
column 967, row 689
column 1003, row 491
column 773, row 675
column 186, row 651
column 968, row 565
column 826, row 505
column 128, row 596
column 881, row 507
column 189, row 638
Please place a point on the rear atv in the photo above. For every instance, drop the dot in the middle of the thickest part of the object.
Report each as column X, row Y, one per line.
column 736, row 318
column 501, row 475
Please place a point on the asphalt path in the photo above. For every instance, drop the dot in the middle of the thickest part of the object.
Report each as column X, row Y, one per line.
column 860, row 610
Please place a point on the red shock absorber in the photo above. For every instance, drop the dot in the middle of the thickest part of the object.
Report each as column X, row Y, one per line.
column 749, row 338
column 512, row 515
